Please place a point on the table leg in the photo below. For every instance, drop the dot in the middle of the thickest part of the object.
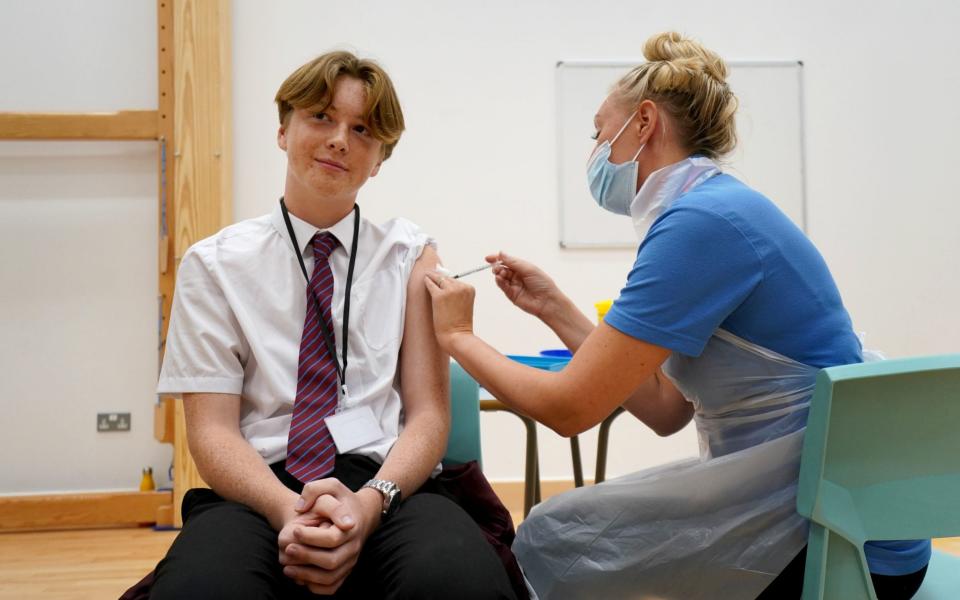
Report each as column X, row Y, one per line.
column 531, row 488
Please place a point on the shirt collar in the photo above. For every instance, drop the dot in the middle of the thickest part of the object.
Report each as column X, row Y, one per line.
column 342, row 230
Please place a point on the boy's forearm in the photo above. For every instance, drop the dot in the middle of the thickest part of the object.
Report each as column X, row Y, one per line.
column 233, row 468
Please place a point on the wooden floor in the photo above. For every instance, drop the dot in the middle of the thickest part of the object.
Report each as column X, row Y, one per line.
column 77, row 565
column 101, row 564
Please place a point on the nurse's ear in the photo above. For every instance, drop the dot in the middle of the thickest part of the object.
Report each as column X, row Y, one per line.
column 648, row 118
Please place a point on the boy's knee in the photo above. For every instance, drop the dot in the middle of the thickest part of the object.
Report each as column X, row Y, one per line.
column 223, row 551
column 456, row 562
column 187, row 586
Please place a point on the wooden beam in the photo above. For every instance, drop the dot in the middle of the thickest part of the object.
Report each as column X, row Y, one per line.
column 166, row 167
column 80, row 511
column 199, row 168
column 202, row 121
column 185, row 473
column 164, row 420
column 164, row 414
column 122, row 125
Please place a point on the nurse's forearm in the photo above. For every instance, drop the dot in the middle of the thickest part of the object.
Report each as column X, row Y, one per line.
column 535, row 393
column 659, row 405
column 568, row 322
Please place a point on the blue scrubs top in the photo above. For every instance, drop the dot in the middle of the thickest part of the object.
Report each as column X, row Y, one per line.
column 724, row 256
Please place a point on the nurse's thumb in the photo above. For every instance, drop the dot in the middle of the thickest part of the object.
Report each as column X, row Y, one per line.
column 517, row 265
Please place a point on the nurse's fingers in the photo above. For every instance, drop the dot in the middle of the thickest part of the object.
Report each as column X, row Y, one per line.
column 435, row 279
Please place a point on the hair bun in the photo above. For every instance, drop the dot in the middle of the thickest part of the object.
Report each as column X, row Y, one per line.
column 671, row 47
column 689, row 82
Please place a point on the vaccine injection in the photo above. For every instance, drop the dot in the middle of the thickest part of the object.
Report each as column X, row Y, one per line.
column 448, row 273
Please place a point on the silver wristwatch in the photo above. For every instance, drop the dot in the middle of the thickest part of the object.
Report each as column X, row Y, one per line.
column 391, row 495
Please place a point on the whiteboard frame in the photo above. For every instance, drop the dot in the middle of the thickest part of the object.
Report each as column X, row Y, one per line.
column 625, row 63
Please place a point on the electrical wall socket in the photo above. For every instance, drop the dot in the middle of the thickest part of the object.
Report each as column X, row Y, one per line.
column 113, row 421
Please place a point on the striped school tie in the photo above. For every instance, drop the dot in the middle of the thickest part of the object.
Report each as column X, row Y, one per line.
column 310, row 448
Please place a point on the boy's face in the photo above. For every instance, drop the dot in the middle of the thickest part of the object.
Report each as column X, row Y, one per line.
column 330, row 154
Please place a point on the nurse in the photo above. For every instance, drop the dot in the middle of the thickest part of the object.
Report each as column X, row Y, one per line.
column 725, row 318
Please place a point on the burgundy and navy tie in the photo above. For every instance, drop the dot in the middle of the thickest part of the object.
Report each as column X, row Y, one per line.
column 310, row 449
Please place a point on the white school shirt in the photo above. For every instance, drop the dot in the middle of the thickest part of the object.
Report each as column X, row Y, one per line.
column 238, row 315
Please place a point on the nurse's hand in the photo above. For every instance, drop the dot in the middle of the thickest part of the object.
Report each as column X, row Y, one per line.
column 525, row 284
column 452, row 307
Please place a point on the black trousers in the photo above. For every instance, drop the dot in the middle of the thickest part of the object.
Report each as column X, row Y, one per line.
column 429, row 548
column 789, row 583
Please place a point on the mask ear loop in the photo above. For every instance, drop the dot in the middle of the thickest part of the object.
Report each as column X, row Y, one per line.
column 609, row 143
column 642, row 146
column 627, row 122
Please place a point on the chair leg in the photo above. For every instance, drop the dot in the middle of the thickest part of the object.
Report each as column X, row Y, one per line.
column 537, row 499
column 602, row 439
column 577, row 465
column 531, row 488
column 531, row 493
column 835, row 568
column 815, row 569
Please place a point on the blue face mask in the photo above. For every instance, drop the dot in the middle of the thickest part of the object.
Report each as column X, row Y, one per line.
column 613, row 186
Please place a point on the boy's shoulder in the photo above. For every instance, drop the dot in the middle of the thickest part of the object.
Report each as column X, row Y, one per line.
column 244, row 237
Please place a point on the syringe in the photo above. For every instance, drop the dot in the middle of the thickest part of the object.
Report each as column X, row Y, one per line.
column 446, row 272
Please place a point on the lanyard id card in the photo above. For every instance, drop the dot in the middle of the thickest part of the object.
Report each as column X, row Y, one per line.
column 353, row 428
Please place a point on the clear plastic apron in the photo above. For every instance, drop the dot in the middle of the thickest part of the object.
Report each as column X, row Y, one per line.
column 719, row 526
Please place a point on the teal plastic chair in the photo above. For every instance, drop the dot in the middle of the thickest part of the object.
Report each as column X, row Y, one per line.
column 464, row 442
column 881, row 461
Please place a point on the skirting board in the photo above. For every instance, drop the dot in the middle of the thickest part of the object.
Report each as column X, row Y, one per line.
column 511, row 493
column 81, row 511
column 131, row 509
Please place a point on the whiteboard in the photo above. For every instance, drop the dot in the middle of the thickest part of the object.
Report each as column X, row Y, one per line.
column 769, row 156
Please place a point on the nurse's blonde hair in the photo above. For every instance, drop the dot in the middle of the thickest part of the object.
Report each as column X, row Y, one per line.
column 689, row 82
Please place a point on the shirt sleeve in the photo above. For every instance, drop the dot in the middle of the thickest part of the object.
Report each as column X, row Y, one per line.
column 412, row 241
column 205, row 346
column 693, row 269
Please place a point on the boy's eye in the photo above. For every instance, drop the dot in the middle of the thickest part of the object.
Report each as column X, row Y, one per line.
column 361, row 129
column 321, row 116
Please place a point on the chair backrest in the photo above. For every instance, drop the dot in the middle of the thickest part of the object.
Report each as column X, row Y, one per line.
column 880, row 455
column 464, row 443
column 879, row 463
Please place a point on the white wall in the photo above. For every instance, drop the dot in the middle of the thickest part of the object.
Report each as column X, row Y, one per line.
column 476, row 167
column 78, row 252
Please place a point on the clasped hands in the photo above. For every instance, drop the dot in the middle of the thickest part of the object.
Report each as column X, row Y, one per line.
column 321, row 540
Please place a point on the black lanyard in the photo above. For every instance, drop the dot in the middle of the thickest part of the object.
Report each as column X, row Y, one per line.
column 327, row 334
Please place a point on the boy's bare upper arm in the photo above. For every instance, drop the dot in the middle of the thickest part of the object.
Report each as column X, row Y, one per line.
column 204, row 412
column 424, row 370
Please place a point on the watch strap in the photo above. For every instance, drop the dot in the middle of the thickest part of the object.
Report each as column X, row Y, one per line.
column 390, row 492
